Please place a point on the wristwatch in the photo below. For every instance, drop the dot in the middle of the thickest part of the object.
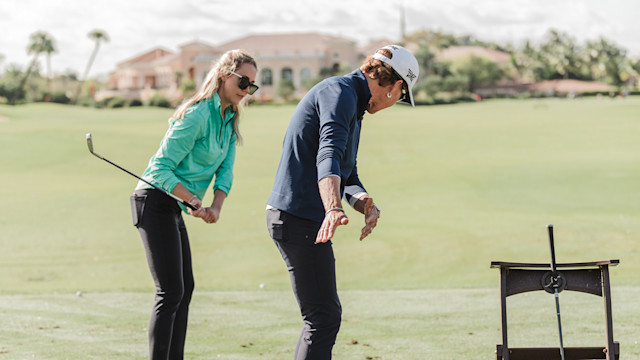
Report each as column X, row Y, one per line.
column 377, row 209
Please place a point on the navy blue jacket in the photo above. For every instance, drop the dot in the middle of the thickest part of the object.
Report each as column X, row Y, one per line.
column 321, row 140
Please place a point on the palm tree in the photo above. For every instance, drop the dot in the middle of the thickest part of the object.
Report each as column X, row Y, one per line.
column 40, row 42
column 98, row 36
column 49, row 47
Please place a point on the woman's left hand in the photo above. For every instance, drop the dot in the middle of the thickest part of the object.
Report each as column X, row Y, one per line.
column 209, row 215
column 371, row 216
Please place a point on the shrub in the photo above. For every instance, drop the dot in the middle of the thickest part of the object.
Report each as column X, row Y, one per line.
column 59, row 97
column 159, row 100
column 101, row 104
column 135, row 102
column 286, row 89
column 116, row 102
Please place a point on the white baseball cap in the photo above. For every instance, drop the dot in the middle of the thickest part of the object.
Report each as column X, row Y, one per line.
column 404, row 63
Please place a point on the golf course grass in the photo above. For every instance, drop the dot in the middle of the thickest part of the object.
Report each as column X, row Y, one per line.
column 459, row 186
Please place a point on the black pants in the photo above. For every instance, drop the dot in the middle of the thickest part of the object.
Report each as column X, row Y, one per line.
column 313, row 278
column 166, row 243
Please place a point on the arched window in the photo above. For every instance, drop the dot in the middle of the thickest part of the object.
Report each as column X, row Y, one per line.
column 305, row 74
column 287, row 74
column 267, row 77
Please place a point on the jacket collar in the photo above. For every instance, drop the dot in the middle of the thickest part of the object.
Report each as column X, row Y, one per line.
column 362, row 91
column 214, row 103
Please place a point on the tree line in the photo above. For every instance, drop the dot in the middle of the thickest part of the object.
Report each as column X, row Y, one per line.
column 18, row 85
column 557, row 56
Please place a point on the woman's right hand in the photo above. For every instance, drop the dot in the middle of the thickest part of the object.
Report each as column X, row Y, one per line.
column 195, row 202
column 208, row 215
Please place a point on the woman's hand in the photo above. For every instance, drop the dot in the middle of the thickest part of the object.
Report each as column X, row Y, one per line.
column 331, row 221
column 196, row 203
column 209, row 215
column 371, row 216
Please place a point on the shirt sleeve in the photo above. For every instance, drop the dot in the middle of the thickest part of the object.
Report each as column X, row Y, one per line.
column 224, row 175
column 353, row 186
column 176, row 145
column 336, row 110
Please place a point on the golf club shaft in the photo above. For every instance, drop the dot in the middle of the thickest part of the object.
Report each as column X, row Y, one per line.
column 554, row 280
column 183, row 202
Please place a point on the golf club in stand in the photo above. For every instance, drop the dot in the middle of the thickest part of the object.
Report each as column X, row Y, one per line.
column 555, row 285
column 90, row 145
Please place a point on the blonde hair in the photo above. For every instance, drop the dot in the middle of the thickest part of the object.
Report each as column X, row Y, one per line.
column 224, row 66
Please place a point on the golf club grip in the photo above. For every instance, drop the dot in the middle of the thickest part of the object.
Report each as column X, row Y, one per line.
column 553, row 250
column 171, row 195
column 154, row 186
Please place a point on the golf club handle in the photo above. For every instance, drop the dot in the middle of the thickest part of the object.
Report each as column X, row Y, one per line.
column 183, row 202
column 553, row 252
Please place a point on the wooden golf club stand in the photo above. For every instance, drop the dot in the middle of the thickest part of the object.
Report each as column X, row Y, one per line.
column 590, row 277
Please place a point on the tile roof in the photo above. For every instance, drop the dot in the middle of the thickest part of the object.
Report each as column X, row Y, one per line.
column 269, row 44
column 148, row 56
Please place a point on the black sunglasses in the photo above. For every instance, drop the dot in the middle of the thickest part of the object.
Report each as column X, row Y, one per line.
column 245, row 82
column 405, row 92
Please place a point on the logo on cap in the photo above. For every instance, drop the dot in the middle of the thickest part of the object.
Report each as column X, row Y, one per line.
column 411, row 75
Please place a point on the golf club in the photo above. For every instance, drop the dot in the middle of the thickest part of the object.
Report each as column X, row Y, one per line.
column 555, row 285
column 90, row 145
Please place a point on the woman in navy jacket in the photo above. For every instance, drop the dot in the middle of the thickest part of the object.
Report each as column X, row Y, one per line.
column 317, row 168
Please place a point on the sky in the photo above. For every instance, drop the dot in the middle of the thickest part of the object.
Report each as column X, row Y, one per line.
column 135, row 26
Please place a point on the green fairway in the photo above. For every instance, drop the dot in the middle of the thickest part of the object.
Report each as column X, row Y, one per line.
column 251, row 325
column 459, row 186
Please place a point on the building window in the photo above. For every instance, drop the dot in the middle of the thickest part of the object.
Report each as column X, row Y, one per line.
column 267, row 77
column 287, row 74
column 305, row 74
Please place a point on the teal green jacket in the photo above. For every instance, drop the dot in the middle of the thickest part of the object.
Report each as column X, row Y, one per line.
column 194, row 150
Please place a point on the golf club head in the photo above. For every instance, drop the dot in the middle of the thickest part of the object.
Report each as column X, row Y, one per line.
column 90, row 142
column 90, row 145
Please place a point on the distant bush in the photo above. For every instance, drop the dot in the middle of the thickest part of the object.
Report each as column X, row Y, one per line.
column 100, row 104
column 286, row 89
column 116, row 102
column 188, row 86
column 59, row 97
column 159, row 100
column 135, row 102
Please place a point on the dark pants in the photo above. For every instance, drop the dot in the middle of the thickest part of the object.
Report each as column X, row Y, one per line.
column 166, row 243
column 313, row 278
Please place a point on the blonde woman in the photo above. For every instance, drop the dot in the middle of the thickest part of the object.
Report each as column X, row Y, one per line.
column 198, row 146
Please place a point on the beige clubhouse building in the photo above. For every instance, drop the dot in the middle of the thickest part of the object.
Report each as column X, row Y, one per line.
column 296, row 57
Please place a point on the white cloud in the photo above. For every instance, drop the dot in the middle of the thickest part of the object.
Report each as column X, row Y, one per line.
column 135, row 26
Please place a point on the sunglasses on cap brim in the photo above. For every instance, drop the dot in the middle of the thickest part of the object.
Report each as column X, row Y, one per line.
column 405, row 91
column 244, row 82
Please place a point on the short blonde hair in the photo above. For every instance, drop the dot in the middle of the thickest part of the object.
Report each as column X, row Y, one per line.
column 224, row 66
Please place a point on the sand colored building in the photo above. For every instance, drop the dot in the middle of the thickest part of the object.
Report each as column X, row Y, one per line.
column 294, row 57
